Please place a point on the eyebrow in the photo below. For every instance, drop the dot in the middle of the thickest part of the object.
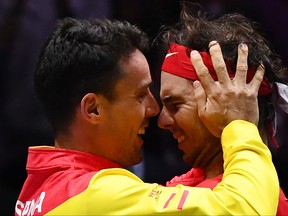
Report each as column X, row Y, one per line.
column 143, row 86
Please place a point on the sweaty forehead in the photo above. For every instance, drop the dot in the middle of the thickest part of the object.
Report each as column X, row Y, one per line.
column 168, row 79
column 173, row 87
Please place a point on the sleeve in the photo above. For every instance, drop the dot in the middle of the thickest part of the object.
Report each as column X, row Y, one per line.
column 249, row 186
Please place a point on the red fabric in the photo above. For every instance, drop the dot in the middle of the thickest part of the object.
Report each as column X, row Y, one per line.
column 61, row 172
column 191, row 178
column 196, row 178
column 177, row 62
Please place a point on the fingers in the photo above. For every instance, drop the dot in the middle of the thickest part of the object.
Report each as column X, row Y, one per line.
column 218, row 62
column 242, row 65
column 257, row 79
column 221, row 102
column 202, row 71
column 200, row 96
column 242, row 69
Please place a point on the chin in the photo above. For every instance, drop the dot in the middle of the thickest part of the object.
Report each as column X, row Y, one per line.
column 135, row 160
column 139, row 159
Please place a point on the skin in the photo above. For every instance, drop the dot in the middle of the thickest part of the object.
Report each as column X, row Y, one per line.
column 209, row 93
column 186, row 104
column 180, row 115
column 114, row 129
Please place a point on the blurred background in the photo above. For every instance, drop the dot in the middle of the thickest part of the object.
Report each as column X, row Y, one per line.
column 25, row 24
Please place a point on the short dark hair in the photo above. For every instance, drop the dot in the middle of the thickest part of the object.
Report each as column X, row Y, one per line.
column 82, row 56
column 196, row 29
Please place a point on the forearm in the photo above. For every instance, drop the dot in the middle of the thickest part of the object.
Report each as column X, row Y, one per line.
column 249, row 170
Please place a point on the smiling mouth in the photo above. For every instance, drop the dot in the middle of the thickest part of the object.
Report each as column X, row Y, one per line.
column 141, row 133
column 181, row 139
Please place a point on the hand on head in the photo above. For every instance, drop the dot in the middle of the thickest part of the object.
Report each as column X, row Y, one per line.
column 220, row 102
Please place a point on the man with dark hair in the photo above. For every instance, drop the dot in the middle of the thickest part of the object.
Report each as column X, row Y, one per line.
column 201, row 145
column 93, row 81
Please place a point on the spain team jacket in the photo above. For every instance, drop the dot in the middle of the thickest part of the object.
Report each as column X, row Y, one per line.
column 66, row 182
column 196, row 178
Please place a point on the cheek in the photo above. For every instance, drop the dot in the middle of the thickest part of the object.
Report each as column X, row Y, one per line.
column 130, row 124
column 187, row 116
column 128, row 115
column 193, row 127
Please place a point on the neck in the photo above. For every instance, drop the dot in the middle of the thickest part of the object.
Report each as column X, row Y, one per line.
column 75, row 139
column 215, row 166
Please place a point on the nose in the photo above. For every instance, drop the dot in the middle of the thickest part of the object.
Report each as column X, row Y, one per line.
column 165, row 120
column 153, row 107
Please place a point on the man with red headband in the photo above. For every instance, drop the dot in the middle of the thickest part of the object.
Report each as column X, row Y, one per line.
column 201, row 146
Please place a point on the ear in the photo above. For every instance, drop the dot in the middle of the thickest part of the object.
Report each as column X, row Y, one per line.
column 90, row 108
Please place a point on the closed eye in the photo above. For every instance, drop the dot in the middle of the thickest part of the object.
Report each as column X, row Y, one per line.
column 143, row 92
column 141, row 97
column 172, row 106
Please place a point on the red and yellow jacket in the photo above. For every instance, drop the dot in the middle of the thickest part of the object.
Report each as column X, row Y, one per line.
column 196, row 178
column 67, row 182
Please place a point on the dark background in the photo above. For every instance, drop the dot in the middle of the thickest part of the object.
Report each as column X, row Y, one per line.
column 25, row 24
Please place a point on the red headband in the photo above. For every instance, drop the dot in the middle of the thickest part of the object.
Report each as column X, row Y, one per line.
column 177, row 62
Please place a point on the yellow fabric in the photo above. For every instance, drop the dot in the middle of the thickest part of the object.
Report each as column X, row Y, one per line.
column 248, row 170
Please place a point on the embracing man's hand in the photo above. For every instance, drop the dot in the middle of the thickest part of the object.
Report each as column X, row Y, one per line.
column 220, row 102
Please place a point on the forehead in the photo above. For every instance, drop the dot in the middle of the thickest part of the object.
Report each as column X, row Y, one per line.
column 173, row 85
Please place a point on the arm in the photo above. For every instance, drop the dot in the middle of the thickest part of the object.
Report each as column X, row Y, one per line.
column 220, row 102
column 248, row 172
